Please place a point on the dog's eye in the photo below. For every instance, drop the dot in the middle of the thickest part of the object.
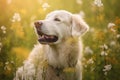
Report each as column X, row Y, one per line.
column 57, row 19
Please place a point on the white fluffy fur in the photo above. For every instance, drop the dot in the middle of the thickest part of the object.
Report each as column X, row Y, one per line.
column 57, row 60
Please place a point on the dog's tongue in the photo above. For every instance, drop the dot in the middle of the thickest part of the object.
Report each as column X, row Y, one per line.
column 47, row 39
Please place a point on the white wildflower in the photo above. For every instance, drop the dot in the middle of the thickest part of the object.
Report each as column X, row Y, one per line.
column 6, row 62
column 0, row 44
column 79, row 1
column 107, row 67
column 118, row 36
column 45, row 6
column 103, row 53
column 4, row 32
column 88, row 50
column 104, row 46
column 82, row 14
column 113, row 30
column 98, row 3
column 3, row 28
column 90, row 61
column 111, row 25
column 7, row 68
column 112, row 43
column 16, row 17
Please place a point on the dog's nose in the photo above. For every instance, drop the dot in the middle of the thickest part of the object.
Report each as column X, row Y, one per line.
column 38, row 24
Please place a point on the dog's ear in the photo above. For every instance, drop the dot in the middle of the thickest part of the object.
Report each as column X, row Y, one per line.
column 79, row 26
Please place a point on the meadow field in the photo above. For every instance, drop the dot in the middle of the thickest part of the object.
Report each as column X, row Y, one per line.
column 101, row 54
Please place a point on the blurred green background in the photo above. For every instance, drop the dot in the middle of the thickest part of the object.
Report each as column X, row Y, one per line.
column 101, row 44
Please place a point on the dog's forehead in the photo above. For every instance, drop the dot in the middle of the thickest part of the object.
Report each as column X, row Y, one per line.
column 59, row 13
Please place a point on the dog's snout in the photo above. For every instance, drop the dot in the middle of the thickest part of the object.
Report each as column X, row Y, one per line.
column 38, row 24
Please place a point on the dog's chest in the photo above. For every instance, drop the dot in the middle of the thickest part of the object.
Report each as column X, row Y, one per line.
column 62, row 58
column 57, row 60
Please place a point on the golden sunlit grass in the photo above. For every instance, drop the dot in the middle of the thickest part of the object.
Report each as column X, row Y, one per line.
column 20, row 52
column 18, row 30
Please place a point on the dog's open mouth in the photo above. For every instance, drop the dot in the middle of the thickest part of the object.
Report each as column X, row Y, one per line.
column 44, row 38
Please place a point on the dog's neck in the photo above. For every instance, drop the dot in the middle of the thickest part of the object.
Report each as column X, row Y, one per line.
column 64, row 54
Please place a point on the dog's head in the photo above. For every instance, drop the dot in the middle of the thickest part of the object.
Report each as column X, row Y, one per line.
column 58, row 26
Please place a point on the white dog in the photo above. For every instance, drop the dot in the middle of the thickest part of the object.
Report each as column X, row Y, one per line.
column 58, row 56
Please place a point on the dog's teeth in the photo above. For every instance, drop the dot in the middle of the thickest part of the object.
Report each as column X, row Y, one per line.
column 42, row 36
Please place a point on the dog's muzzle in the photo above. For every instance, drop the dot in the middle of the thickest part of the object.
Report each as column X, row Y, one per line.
column 44, row 38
